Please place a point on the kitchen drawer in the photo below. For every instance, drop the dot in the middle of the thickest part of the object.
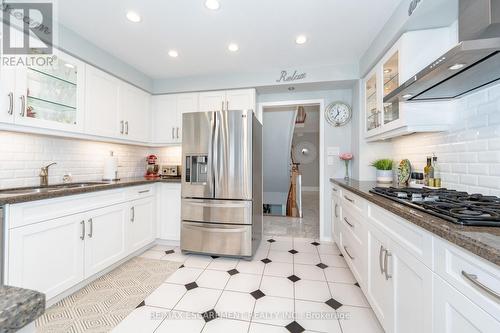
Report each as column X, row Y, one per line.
column 352, row 222
column 336, row 190
column 217, row 211
column 414, row 239
column 219, row 239
column 354, row 253
column 451, row 261
column 139, row 192
column 350, row 200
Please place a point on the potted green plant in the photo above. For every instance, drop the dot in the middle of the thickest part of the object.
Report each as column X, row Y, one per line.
column 384, row 170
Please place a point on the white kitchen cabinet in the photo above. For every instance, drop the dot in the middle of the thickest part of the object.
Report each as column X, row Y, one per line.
column 169, row 203
column 7, row 93
column 105, row 237
column 239, row 99
column 47, row 256
column 384, row 119
column 455, row 313
column 102, row 100
column 140, row 230
column 336, row 214
column 135, row 112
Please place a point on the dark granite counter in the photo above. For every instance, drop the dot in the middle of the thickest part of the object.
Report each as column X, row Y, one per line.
column 6, row 198
column 19, row 307
column 482, row 241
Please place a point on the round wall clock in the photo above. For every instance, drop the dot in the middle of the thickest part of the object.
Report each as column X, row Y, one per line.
column 338, row 114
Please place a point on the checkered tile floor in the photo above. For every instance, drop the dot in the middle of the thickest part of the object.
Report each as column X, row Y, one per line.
column 291, row 285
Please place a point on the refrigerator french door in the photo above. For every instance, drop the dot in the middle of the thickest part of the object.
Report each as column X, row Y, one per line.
column 221, row 183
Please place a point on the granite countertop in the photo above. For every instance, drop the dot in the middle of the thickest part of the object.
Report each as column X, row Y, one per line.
column 19, row 307
column 482, row 241
column 6, row 198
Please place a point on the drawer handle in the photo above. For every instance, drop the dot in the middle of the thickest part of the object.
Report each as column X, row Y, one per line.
column 132, row 214
column 91, row 227
column 143, row 191
column 386, row 264
column 348, row 199
column 347, row 221
column 346, row 251
column 82, row 236
column 210, row 229
column 336, row 210
column 380, row 256
column 473, row 278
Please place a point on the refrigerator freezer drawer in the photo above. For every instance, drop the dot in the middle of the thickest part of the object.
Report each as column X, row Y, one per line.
column 217, row 211
column 219, row 239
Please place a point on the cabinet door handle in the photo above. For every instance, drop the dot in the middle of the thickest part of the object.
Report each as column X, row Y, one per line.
column 122, row 126
column 11, row 103
column 346, row 251
column 177, row 132
column 173, row 130
column 91, row 228
column 474, row 280
column 126, row 127
column 82, row 236
column 23, row 105
column 336, row 210
column 380, row 256
column 227, row 105
column 348, row 199
column 132, row 212
column 347, row 221
column 386, row 264
column 143, row 191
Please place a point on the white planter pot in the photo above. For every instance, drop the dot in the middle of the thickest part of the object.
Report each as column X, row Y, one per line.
column 385, row 176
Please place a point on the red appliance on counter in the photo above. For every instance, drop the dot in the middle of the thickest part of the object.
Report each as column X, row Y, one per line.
column 153, row 169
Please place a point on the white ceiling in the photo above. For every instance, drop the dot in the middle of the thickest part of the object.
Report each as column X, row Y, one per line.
column 339, row 31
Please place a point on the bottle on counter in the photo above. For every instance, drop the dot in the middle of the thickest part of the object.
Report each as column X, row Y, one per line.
column 437, row 172
column 428, row 172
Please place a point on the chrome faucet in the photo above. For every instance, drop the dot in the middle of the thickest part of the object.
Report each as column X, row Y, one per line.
column 44, row 175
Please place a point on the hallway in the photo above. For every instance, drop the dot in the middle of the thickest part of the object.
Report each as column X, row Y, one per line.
column 306, row 227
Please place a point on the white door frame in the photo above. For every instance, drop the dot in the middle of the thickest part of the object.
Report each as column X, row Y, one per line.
column 321, row 103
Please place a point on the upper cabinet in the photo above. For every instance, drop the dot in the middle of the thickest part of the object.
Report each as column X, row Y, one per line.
column 240, row 99
column 49, row 96
column 410, row 54
column 115, row 109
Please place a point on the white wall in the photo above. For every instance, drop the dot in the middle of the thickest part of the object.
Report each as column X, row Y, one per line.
column 332, row 137
column 309, row 171
column 22, row 156
column 469, row 154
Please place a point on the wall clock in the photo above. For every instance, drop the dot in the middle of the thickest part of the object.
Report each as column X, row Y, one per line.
column 338, row 114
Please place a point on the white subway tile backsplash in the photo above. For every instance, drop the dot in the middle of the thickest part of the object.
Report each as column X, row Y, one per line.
column 469, row 154
column 22, row 156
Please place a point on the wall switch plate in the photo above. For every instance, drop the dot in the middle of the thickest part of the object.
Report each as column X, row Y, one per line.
column 330, row 160
column 333, row 151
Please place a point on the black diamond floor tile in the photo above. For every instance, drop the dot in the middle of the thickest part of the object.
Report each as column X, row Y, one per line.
column 341, row 255
column 141, row 304
column 293, row 251
column 169, row 252
column 271, row 240
column 321, row 265
column 182, row 266
column 257, row 294
column 209, row 315
column 295, row 327
column 293, row 278
column 233, row 271
column 191, row 285
column 215, row 257
column 357, row 285
column 315, row 243
column 333, row 303
column 266, row 261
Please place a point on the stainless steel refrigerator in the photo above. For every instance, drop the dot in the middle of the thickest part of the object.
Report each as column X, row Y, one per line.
column 221, row 183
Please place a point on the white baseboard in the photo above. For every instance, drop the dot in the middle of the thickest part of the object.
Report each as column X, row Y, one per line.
column 310, row 189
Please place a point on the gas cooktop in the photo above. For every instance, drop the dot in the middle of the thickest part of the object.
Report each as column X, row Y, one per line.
column 458, row 207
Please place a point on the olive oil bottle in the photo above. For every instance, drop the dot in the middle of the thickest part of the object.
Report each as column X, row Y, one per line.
column 428, row 172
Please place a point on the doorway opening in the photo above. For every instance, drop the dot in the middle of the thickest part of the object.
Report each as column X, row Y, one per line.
column 291, row 169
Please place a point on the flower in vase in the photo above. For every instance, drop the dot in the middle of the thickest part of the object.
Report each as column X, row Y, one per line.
column 346, row 157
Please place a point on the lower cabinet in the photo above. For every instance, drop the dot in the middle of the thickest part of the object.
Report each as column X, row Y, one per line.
column 141, row 223
column 47, row 256
column 336, row 215
column 105, row 238
column 169, row 203
column 455, row 313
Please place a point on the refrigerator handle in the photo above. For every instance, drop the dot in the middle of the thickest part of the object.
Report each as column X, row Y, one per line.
column 215, row 154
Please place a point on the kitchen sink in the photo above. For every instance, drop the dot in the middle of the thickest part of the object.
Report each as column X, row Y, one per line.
column 51, row 188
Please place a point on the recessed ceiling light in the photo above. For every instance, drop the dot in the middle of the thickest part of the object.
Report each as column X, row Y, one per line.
column 233, row 47
column 301, row 39
column 69, row 65
column 387, row 71
column 212, row 4
column 133, row 17
column 173, row 53
column 456, row 67
column 407, row 96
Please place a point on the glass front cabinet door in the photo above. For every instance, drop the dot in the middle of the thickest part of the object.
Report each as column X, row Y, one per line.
column 390, row 70
column 372, row 110
column 50, row 93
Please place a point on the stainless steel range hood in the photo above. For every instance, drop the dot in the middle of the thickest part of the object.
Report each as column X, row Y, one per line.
column 472, row 64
